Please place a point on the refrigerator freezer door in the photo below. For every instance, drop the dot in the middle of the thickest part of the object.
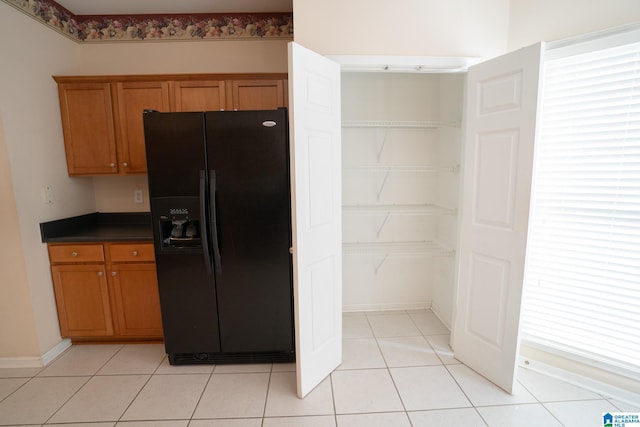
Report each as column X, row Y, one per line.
column 175, row 146
column 254, row 286
column 175, row 150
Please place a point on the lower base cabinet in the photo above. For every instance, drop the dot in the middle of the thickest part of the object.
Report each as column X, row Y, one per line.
column 136, row 305
column 106, row 291
column 82, row 298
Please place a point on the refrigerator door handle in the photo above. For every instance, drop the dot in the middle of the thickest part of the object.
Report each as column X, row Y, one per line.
column 214, row 222
column 203, row 224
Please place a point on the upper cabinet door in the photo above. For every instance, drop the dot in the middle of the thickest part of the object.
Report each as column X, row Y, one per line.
column 133, row 98
column 199, row 95
column 257, row 94
column 501, row 110
column 314, row 86
column 87, row 123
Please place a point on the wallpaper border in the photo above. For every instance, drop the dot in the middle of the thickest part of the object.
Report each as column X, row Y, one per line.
column 214, row 26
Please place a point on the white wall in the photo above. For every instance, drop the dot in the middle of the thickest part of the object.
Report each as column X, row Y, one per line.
column 29, row 111
column 403, row 27
column 483, row 28
column 548, row 20
column 15, row 299
column 211, row 56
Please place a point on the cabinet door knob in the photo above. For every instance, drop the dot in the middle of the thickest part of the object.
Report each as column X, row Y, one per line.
column 74, row 253
column 112, row 165
column 134, row 253
column 125, row 165
column 113, row 273
column 100, row 273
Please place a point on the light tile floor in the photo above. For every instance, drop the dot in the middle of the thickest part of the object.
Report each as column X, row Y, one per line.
column 397, row 370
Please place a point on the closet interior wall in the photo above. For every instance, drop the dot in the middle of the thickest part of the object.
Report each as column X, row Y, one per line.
column 401, row 155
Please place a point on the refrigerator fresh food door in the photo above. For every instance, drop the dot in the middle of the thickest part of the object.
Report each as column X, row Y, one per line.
column 250, row 222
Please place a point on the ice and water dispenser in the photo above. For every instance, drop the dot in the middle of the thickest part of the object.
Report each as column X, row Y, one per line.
column 178, row 222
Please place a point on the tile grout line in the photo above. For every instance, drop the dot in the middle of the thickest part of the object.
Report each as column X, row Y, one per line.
column 28, row 380
column 204, row 389
column 95, row 374
column 333, row 399
column 539, row 401
column 449, row 372
column 395, row 386
column 426, row 338
column 266, row 397
column 90, row 377
column 473, row 405
column 141, row 388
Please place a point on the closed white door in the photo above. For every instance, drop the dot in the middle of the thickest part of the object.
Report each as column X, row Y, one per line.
column 498, row 155
column 314, row 113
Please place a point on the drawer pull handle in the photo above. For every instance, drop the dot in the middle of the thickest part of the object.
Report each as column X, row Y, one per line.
column 74, row 253
column 125, row 164
column 112, row 165
column 134, row 253
column 100, row 273
column 113, row 273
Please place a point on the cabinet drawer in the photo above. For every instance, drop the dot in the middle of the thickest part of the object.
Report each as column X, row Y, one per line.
column 131, row 252
column 75, row 253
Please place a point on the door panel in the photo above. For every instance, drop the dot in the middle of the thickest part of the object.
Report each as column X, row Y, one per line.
column 501, row 109
column 133, row 99
column 82, row 298
column 314, row 86
column 87, row 122
column 199, row 95
column 257, row 94
column 136, row 300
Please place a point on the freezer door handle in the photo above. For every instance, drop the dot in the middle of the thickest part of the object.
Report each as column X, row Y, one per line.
column 203, row 223
column 217, row 258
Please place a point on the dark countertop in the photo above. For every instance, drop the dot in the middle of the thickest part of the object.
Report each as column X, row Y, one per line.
column 99, row 227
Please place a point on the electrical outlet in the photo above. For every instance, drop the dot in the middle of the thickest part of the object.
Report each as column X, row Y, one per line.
column 137, row 196
column 46, row 193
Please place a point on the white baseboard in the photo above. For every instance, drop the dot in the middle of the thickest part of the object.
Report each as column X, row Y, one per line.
column 36, row 362
column 607, row 390
column 436, row 310
column 21, row 362
column 384, row 307
column 56, row 351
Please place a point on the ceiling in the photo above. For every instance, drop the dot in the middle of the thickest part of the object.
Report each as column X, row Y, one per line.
column 149, row 7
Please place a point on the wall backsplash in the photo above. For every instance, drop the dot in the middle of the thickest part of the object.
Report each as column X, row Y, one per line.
column 116, row 193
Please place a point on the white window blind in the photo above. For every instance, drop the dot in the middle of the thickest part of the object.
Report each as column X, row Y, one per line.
column 583, row 262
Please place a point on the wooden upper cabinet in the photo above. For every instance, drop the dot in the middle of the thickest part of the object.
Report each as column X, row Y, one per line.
column 132, row 99
column 257, row 94
column 102, row 115
column 88, row 127
column 199, row 95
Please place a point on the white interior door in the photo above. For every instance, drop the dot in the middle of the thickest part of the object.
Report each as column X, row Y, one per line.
column 501, row 111
column 314, row 112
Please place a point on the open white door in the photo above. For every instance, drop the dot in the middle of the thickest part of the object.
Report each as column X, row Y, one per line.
column 498, row 154
column 316, row 197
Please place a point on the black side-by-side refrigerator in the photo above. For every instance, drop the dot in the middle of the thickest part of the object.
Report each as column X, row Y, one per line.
column 220, row 203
